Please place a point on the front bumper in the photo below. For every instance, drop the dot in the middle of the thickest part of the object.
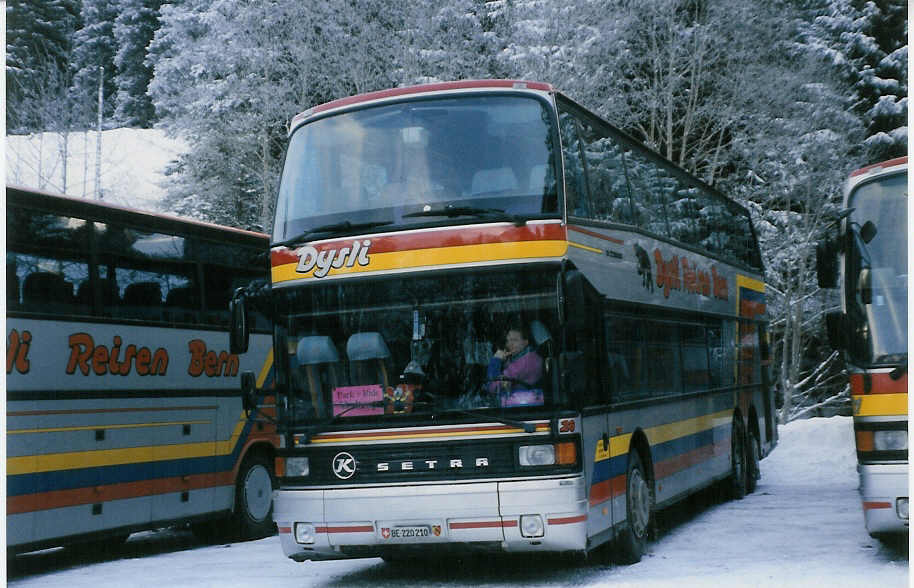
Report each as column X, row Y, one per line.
column 485, row 515
column 882, row 487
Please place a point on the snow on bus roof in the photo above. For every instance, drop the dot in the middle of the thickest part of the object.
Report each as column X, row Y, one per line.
column 422, row 88
column 881, row 165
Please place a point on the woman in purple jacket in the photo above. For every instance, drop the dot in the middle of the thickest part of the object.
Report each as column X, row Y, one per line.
column 514, row 373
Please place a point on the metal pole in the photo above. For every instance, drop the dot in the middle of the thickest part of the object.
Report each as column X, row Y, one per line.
column 98, row 140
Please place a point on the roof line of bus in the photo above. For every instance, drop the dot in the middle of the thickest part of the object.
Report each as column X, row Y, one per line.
column 882, row 165
column 420, row 89
column 168, row 217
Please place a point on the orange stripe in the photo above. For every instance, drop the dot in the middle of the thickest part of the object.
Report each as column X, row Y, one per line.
column 597, row 235
column 94, row 494
column 285, row 529
column 358, row 529
column 875, row 505
column 482, row 524
column 880, row 383
column 603, row 491
column 108, row 410
column 688, row 459
column 567, row 520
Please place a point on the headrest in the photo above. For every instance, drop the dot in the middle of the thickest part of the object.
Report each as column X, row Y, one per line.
column 316, row 349
column 368, row 345
column 539, row 332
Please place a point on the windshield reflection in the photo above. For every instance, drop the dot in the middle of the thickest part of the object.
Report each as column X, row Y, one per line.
column 389, row 349
column 878, row 280
column 381, row 164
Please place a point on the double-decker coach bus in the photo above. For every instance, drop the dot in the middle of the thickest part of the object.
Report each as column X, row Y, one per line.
column 506, row 326
column 871, row 329
column 122, row 405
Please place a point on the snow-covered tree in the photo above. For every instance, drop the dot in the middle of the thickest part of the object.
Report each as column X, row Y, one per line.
column 865, row 42
column 94, row 47
column 38, row 47
column 134, row 28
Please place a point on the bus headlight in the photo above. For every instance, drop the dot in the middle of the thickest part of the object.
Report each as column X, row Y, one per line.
column 536, row 455
column 890, row 440
column 304, row 533
column 565, row 453
column 532, row 526
column 297, row 467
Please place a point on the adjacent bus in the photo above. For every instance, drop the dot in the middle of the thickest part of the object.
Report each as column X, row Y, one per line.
column 505, row 326
column 122, row 404
column 870, row 255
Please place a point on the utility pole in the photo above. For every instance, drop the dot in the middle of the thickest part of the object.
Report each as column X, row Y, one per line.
column 98, row 140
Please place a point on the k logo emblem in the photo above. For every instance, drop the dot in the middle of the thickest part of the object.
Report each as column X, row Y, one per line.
column 343, row 465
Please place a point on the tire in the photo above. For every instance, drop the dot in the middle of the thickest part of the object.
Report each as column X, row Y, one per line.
column 253, row 514
column 753, row 469
column 639, row 504
column 738, row 480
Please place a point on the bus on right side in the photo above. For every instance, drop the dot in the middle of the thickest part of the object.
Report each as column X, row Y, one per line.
column 868, row 260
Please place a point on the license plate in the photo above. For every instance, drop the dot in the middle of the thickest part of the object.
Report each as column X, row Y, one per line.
column 409, row 532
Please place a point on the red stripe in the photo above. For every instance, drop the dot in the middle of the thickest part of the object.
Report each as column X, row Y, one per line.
column 567, row 520
column 603, row 491
column 443, row 86
column 597, row 235
column 357, row 529
column 688, row 459
column 285, row 529
column 884, row 164
column 482, row 524
column 876, row 505
column 880, row 383
column 450, row 237
column 94, row 494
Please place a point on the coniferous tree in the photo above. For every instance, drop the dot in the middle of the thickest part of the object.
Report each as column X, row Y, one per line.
column 134, row 28
column 94, row 47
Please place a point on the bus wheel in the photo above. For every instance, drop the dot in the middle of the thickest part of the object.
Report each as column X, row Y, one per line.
column 753, row 469
column 738, row 480
column 638, row 505
column 254, row 497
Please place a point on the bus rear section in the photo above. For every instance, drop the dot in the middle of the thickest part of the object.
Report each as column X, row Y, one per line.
column 868, row 260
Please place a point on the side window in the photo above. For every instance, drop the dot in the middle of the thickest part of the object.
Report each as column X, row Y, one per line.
column 150, row 274
column 47, row 263
column 225, row 269
column 683, row 209
column 696, row 374
column 577, row 199
column 662, row 377
column 650, row 195
column 609, row 190
column 624, row 357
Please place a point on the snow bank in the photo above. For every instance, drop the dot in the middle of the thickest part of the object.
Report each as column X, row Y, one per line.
column 133, row 163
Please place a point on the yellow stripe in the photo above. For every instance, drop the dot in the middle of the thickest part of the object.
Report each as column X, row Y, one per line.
column 585, row 247
column 751, row 283
column 881, row 405
column 96, row 427
column 31, row 464
column 416, row 258
column 265, row 370
column 423, row 435
column 619, row 445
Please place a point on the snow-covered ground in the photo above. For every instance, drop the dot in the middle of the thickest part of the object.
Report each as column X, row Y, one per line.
column 132, row 164
column 802, row 527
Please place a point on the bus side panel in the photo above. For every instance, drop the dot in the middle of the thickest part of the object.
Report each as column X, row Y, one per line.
column 92, row 449
column 689, row 443
column 599, row 474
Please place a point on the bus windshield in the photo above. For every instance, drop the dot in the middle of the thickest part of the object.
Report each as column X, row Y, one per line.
column 372, row 351
column 385, row 164
column 882, row 312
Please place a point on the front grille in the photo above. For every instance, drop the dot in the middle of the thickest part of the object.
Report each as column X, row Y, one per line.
column 419, row 462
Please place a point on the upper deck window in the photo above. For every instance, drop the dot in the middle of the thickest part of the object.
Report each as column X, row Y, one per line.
column 379, row 164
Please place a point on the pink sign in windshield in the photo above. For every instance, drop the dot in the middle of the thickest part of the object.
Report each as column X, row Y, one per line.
column 357, row 400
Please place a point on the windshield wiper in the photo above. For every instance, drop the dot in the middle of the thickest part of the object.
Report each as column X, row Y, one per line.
column 331, row 228
column 899, row 371
column 526, row 427
column 452, row 211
